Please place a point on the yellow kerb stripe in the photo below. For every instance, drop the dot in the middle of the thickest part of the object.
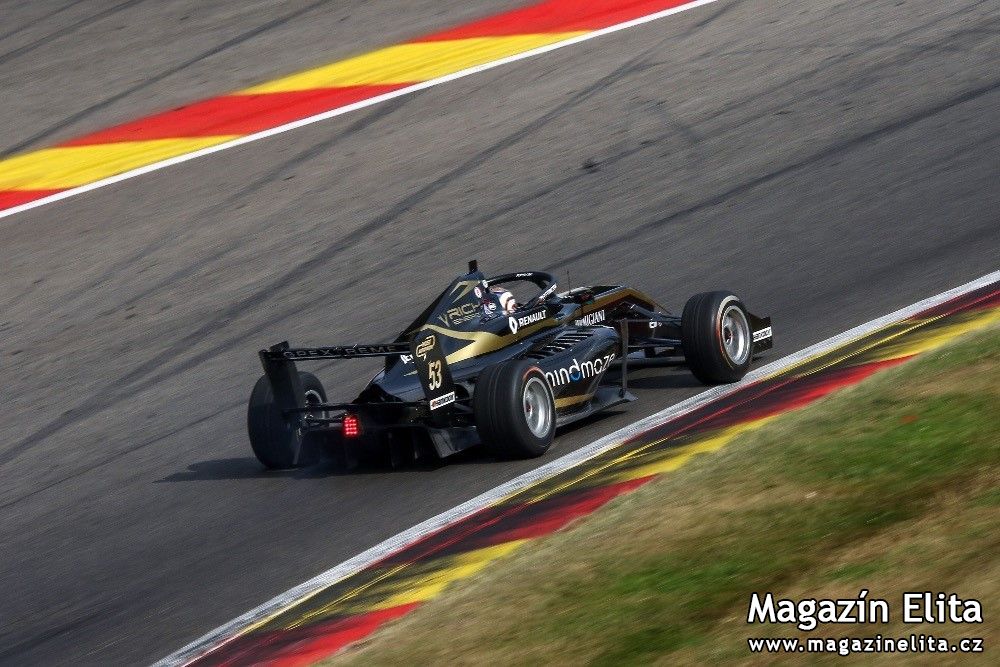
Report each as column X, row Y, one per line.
column 69, row 166
column 411, row 63
column 676, row 458
column 430, row 585
column 935, row 336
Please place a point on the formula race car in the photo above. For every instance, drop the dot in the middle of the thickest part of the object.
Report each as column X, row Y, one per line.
column 470, row 370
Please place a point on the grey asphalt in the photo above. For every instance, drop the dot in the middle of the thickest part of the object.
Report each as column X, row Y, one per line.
column 831, row 161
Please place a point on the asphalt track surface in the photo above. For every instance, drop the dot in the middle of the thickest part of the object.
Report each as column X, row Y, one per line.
column 831, row 162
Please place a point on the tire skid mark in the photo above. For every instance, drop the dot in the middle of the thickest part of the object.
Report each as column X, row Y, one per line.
column 62, row 32
column 169, row 237
column 771, row 176
column 51, row 14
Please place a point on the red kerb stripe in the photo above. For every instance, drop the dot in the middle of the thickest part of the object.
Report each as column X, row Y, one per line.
column 12, row 198
column 235, row 114
column 557, row 16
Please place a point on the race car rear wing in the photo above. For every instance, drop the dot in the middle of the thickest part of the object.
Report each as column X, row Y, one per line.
column 279, row 366
column 282, row 351
column 432, row 369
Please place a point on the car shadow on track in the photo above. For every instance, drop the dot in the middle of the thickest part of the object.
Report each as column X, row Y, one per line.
column 247, row 467
column 242, row 467
column 650, row 375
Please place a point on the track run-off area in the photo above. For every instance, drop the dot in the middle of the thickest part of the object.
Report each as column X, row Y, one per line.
column 830, row 162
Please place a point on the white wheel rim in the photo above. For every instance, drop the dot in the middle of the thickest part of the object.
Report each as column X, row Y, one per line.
column 537, row 407
column 735, row 334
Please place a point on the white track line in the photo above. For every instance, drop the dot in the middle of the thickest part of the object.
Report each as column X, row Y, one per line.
column 257, row 136
column 230, row 630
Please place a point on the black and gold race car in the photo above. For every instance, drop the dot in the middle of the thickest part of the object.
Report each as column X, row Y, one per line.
column 469, row 370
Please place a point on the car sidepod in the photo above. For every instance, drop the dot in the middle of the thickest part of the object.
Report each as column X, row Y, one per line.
column 575, row 363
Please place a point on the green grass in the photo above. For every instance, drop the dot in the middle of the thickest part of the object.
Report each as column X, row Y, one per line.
column 891, row 485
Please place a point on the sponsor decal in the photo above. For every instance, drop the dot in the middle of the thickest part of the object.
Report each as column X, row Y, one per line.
column 524, row 275
column 590, row 319
column 339, row 352
column 406, row 358
column 653, row 325
column 442, row 401
column 762, row 334
column 579, row 370
column 426, row 345
column 435, row 375
column 516, row 323
column 478, row 292
column 459, row 314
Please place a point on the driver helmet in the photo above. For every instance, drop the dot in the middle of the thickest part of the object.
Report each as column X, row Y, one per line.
column 504, row 298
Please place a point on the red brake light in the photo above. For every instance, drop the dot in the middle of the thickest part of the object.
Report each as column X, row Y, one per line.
column 351, row 426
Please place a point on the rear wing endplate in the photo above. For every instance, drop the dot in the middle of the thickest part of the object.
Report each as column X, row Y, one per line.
column 435, row 377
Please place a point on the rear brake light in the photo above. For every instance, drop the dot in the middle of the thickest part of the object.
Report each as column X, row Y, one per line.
column 351, row 426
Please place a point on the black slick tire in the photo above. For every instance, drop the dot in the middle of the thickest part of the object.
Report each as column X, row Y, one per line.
column 514, row 410
column 716, row 337
column 275, row 442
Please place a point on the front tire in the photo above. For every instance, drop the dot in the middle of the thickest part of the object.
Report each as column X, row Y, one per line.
column 276, row 442
column 716, row 337
column 515, row 410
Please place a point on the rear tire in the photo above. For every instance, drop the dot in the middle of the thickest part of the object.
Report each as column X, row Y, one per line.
column 514, row 410
column 274, row 440
column 716, row 337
